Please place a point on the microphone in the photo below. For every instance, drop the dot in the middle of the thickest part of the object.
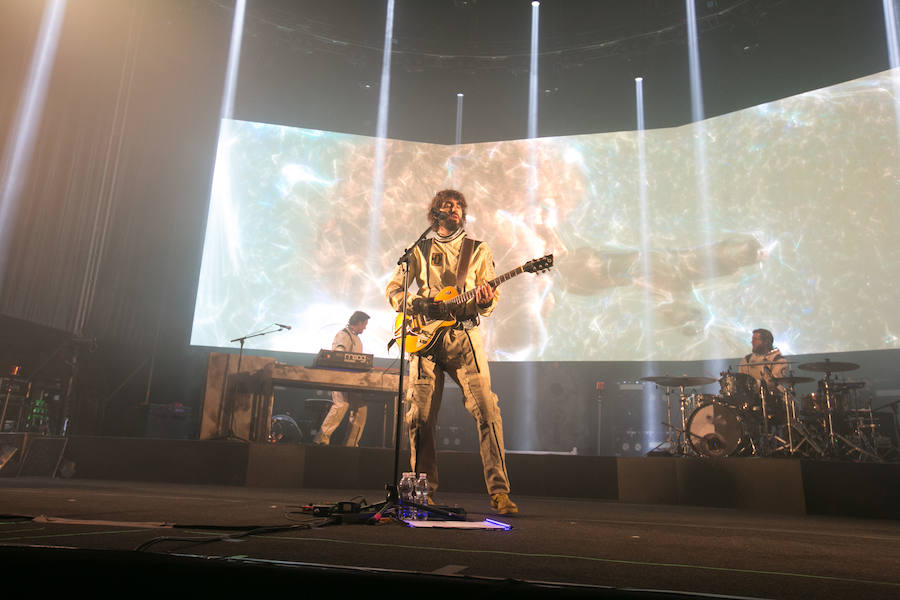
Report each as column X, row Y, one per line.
column 439, row 214
column 283, row 326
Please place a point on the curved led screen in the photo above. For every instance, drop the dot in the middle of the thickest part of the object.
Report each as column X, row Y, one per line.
column 670, row 244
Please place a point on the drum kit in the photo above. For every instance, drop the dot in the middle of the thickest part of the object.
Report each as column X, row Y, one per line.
column 747, row 419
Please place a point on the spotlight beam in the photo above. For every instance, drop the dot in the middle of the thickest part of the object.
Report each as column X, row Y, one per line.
column 20, row 144
column 234, row 59
column 529, row 397
column 704, row 208
column 694, row 61
column 459, row 116
column 651, row 418
column 380, row 142
column 893, row 44
column 533, row 72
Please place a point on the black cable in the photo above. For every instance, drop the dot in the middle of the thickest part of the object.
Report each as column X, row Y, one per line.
column 231, row 537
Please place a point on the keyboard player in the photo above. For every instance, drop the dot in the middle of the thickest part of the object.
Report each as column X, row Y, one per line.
column 347, row 340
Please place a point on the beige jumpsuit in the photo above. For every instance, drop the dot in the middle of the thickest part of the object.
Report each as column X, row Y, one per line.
column 460, row 354
column 347, row 341
column 765, row 373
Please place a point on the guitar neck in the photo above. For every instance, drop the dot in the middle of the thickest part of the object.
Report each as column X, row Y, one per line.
column 466, row 296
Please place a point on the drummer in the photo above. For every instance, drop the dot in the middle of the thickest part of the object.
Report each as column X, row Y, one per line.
column 765, row 363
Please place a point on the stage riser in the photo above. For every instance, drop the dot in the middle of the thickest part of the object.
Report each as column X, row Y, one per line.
column 773, row 486
column 172, row 461
column 769, row 485
column 865, row 490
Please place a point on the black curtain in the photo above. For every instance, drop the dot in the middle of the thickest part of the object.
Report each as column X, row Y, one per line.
column 105, row 233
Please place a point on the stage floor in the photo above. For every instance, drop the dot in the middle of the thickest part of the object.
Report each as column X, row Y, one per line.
column 587, row 542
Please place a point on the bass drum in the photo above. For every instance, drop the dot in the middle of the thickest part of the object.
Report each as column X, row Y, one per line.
column 718, row 430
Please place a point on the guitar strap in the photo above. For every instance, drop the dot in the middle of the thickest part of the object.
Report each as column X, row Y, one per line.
column 462, row 268
column 425, row 249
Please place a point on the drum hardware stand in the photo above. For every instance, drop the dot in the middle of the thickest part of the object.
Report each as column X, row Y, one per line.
column 769, row 444
column 676, row 447
column 807, row 439
column 790, row 418
column 862, row 452
column 680, row 447
column 828, row 367
column 783, row 444
column 685, row 444
column 766, row 438
column 670, row 440
column 866, row 439
column 829, row 410
column 787, row 391
column 834, row 437
column 773, row 443
column 866, row 427
column 684, row 448
column 794, row 424
column 688, row 449
column 786, row 395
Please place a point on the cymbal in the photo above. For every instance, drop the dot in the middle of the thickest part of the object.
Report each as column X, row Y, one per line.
column 848, row 385
column 685, row 381
column 766, row 363
column 829, row 367
column 793, row 380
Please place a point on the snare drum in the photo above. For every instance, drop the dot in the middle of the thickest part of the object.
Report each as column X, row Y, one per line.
column 718, row 430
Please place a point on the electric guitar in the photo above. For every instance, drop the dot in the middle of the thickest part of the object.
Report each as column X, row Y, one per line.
column 423, row 333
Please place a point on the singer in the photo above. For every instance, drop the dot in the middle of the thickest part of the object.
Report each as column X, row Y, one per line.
column 451, row 258
column 347, row 339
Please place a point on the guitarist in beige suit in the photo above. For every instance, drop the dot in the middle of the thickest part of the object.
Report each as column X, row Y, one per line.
column 450, row 258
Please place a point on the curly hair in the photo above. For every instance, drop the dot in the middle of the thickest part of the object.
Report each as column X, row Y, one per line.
column 441, row 197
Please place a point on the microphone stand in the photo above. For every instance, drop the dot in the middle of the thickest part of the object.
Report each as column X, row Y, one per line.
column 252, row 335
column 391, row 494
column 228, row 396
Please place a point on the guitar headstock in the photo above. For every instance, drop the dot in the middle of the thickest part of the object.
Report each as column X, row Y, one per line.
column 538, row 265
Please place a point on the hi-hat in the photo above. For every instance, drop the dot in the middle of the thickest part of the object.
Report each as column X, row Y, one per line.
column 829, row 367
column 685, row 381
column 793, row 380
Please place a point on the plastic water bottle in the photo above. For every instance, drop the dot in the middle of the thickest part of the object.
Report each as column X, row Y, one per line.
column 422, row 495
column 406, row 493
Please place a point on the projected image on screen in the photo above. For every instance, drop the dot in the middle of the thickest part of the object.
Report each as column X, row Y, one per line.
column 784, row 218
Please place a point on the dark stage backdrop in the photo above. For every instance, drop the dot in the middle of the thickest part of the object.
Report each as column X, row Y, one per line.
column 109, row 219
column 108, row 216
